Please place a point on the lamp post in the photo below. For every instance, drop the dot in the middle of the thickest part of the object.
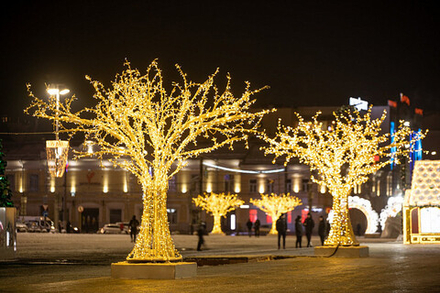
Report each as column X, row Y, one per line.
column 58, row 150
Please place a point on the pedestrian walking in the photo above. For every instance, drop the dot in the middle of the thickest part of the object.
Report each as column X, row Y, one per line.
column 309, row 224
column 298, row 232
column 257, row 228
column 134, row 223
column 249, row 225
column 322, row 229
column 281, row 227
column 200, row 233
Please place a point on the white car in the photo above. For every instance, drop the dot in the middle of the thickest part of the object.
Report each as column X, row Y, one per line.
column 21, row 227
column 111, row 229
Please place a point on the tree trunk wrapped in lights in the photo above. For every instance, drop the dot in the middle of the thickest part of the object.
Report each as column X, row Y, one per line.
column 219, row 205
column 275, row 205
column 344, row 155
column 152, row 133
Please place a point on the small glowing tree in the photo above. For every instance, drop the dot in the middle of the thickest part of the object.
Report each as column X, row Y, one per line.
column 152, row 133
column 219, row 205
column 343, row 156
column 275, row 205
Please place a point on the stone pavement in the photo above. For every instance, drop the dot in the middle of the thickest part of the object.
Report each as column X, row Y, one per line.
column 81, row 263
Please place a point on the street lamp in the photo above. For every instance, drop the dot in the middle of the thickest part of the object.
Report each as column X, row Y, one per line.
column 55, row 91
column 57, row 151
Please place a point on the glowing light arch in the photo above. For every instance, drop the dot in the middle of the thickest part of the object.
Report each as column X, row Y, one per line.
column 393, row 207
column 364, row 205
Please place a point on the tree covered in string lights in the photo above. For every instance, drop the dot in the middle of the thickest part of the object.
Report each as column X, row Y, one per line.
column 219, row 205
column 152, row 132
column 343, row 156
column 275, row 205
column 5, row 189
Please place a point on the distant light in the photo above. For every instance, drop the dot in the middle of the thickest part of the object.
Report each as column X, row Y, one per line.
column 406, row 123
column 358, row 103
column 232, row 222
column 433, row 153
column 52, row 91
column 244, row 206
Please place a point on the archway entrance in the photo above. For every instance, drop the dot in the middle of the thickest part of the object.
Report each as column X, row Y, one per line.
column 358, row 221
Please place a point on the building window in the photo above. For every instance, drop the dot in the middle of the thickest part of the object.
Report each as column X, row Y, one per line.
column 172, row 216
column 11, row 179
column 253, row 186
column 172, row 184
column 288, row 185
column 389, row 185
column 270, row 186
column 378, row 187
column 115, row 215
column 195, row 184
column 23, row 206
column 33, row 182
column 229, row 183
column 305, row 185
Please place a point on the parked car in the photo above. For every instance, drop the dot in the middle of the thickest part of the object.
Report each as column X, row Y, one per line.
column 125, row 227
column 111, row 229
column 37, row 223
column 21, row 227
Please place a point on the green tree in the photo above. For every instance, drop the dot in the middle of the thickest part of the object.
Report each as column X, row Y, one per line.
column 5, row 190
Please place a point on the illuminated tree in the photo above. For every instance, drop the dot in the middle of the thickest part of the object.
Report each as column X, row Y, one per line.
column 219, row 205
column 152, row 133
column 275, row 205
column 343, row 156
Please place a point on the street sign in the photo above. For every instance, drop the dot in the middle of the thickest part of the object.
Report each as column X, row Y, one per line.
column 45, row 206
column 80, row 209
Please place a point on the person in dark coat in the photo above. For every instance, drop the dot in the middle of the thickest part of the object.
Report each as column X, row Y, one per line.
column 257, row 228
column 200, row 233
column 309, row 224
column 322, row 229
column 134, row 223
column 298, row 231
column 281, row 227
column 249, row 225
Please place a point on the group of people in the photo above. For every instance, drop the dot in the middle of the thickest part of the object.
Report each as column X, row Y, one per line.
column 308, row 225
column 256, row 227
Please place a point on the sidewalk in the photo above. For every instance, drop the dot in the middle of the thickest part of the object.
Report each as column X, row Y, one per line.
column 81, row 263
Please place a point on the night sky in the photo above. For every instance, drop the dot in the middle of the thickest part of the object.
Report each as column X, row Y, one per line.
column 316, row 53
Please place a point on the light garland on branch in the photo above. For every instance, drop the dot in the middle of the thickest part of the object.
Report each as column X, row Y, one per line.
column 219, row 205
column 145, row 129
column 275, row 205
column 343, row 156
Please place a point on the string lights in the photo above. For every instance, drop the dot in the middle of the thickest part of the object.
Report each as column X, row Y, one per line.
column 219, row 205
column 275, row 205
column 145, row 129
column 343, row 156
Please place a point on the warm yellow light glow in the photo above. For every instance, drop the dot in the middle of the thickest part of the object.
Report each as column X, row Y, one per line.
column 261, row 187
column 343, row 157
column 218, row 204
column 237, row 188
column 322, row 189
column 52, row 189
column 209, row 187
column 184, row 188
column 152, row 132
column 275, row 205
column 57, row 153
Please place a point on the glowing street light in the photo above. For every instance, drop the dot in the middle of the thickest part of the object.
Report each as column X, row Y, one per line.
column 55, row 91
